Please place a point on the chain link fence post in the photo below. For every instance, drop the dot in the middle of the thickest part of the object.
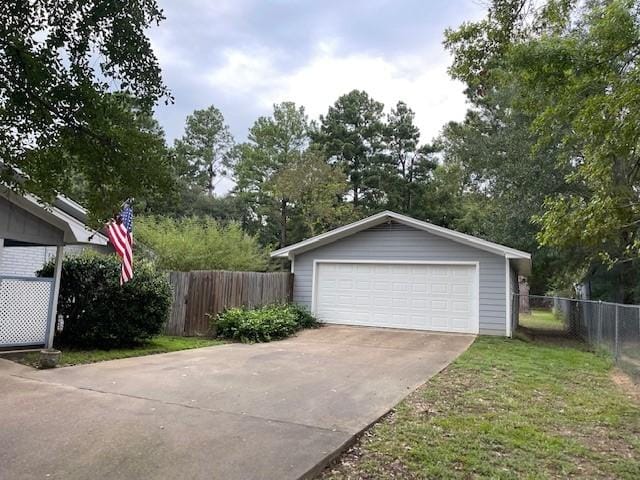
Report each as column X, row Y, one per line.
column 599, row 335
column 616, row 345
column 605, row 326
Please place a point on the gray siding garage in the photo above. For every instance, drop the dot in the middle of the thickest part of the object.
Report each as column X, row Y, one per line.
column 394, row 271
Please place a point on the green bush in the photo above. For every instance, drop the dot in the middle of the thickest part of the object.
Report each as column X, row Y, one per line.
column 98, row 312
column 263, row 324
column 199, row 244
column 304, row 318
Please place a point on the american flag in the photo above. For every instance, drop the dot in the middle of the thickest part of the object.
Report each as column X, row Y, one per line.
column 120, row 232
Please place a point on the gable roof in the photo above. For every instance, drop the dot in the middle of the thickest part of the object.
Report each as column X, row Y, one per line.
column 64, row 214
column 521, row 259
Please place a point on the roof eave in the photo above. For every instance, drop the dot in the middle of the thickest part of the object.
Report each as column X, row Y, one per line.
column 522, row 264
column 75, row 232
column 347, row 230
column 330, row 236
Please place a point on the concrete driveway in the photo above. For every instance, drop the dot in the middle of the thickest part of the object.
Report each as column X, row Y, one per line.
column 267, row 411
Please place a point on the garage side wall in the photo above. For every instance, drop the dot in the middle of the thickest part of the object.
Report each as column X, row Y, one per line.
column 404, row 243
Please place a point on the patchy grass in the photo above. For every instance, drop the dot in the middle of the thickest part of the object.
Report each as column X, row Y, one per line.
column 507, row 409
column 160, row 344
column 541, row 319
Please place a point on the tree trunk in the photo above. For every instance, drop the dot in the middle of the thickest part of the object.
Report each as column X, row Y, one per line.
column 211, row 186
column 355, row 180
column 409, row 182
column 626, row 283
column 283, row 223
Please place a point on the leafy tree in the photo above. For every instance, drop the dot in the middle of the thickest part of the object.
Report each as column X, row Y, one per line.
column 505, row 183
column 274, row 144
column 138, row 126
column 185, row 202
column 411, row 166
column 206, row 149
column 568, row 75
column 59, row 63
column 198, row 244
column 316, row 189
column 596, row 97
column 352, row 134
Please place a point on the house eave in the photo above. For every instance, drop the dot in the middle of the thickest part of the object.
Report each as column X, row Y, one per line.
column 377, row 219
column 74, row 230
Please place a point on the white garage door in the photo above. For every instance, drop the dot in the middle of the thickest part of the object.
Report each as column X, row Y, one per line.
column 414, row 296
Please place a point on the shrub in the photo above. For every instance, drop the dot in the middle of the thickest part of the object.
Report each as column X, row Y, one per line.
column 100, row 313
column 263, row 324
column 304, row 317
column 199, row 244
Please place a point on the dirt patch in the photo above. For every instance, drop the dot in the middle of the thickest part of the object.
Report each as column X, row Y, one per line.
column 626, row 384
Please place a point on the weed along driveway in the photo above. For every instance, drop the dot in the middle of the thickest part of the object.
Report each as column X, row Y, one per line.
column 265, row 411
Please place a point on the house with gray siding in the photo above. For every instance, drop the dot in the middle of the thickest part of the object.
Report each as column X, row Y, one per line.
column 25, row 258
column 31, row 231
column 390, row 270
column 25, row 261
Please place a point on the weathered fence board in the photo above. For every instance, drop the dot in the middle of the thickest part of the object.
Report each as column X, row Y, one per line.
column 196, row 294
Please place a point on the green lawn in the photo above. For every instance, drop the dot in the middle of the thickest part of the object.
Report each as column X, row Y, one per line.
column 541, row 319
column 506, row 409
column 160, row 344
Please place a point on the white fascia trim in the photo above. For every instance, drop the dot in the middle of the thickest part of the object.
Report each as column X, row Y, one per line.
column 428, row 227
column 365, row 222
column 461, row 237
column 507, row 295
column 75, row 232
column 79, row 230
column 316, row 262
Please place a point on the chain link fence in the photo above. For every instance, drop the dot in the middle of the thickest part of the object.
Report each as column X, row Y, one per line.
column 610, row 327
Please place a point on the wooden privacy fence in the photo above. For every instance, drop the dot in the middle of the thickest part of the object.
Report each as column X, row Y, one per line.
column 196, row 294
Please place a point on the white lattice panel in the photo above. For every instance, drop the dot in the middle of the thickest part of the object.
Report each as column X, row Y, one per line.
column 24, row 310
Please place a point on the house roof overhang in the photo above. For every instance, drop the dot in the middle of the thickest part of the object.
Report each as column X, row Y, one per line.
column 64, row 214
column 519, row 259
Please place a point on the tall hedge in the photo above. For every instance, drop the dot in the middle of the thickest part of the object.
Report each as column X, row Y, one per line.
column 199, row 244
column 99, row 312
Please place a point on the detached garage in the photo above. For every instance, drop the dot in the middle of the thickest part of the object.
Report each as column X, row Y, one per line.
column 390, row 270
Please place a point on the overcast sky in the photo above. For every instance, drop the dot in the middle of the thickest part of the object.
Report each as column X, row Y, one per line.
column 244, row 55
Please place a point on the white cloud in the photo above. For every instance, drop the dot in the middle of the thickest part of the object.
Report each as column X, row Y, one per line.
column 419, row 80
column 243, row 73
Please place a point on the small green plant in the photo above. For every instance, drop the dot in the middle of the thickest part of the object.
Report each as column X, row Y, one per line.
column 262, row 324
column 304, row 317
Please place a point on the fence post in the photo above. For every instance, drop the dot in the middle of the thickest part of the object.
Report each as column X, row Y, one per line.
column 573, row 322
column 616, row 347
column 599, row 337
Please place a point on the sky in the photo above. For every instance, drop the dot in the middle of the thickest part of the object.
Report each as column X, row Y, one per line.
column 245, row 55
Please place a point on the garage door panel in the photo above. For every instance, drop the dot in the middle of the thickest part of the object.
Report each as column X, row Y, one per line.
column 439, row 322
column 419, row 303
column 419, row 288
column 438, row 288
column 461, row 289
column 460, row 307
column 416, row 296
column 439, row 306
column 363, row 269
column 362, row 300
